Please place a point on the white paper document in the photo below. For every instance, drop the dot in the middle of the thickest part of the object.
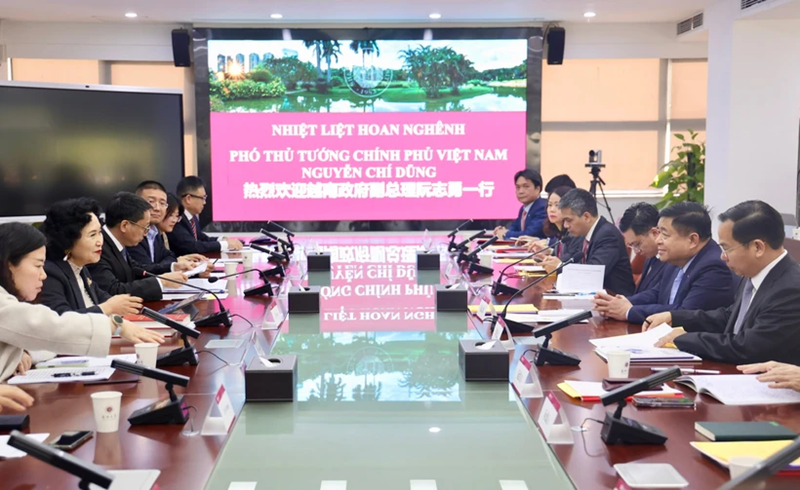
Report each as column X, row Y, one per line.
column 218, row 286
column 739, row 389
column 198, row 270
column 8, row 452
column 83, row 361
column 529, row 268
column 642, row 346
column 62, row 375
column 544, row 316
column 581, row 278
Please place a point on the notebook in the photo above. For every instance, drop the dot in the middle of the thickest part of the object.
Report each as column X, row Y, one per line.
column 722, row 452
column 642, row 347
column 146, row 322
column 744, row 431
column 739, row 389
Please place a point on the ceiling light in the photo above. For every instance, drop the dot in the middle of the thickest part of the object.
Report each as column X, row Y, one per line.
column 589, row 15
column 131, row 15
column 276, row 16
column 435, row 16
column 434, row 430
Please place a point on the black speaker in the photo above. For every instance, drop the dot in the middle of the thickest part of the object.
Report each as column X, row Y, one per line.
column 181, row 53
column 556, row 36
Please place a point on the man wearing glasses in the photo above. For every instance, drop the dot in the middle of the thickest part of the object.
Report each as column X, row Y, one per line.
column 699, row 278
column 762, row 324
column 127, row 221
column 187, row 237
column 151, row 253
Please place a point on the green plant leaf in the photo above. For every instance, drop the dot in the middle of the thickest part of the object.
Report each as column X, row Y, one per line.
column 679, row 136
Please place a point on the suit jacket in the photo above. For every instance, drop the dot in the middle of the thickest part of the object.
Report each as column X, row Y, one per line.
column 533, row 222
column 164, row 258
column 183, row 242
column 115, row 275
column 608, row 248
column 707, row 283
column 570, row 245
column 61, row 292
column 770, row 330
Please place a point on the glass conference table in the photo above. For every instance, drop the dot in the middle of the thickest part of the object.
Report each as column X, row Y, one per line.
column 381, row 404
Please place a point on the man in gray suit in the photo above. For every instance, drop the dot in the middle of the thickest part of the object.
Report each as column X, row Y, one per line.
column 762, row 324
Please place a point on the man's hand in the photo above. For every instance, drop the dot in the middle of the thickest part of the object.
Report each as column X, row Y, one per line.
column 137, row 334
column 24, row 363
column 524, row 240
column 500, row 232
column 615, row 307
column 193, row 258
column 234, row 244
column 653, row 321
column 537, row 246
column 778, row 374
column 14, row 398
column 174, row 276
column 183, row 266
column 550, row 263
column 122, row 304
column 670, row 337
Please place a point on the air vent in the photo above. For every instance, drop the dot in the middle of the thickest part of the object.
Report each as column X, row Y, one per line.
column 690, row 24
column 746, row 4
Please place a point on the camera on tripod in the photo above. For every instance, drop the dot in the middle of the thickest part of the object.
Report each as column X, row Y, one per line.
column 595, row 159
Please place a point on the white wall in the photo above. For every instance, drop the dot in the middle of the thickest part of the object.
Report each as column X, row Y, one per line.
column 605, row 41
column 3, row 55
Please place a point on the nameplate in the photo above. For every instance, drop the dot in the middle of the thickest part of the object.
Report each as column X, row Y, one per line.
column 552, row 421
column 219, row 420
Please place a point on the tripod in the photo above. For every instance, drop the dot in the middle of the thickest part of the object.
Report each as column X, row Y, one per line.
column 596, row 182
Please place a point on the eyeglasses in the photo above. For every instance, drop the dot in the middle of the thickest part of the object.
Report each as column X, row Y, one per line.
column 726, row 251
column 157, row 204
column 203, row 198
column 144, row 228
column 636, row 247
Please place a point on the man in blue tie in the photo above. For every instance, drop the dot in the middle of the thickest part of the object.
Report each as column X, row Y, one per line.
column 699, row 278
column 533, row 212
column 762, row 324
column 187, row 237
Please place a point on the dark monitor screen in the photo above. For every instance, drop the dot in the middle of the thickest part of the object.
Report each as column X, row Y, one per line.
column 59, row 143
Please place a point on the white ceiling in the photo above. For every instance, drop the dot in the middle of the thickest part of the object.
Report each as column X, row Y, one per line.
column 350, row 11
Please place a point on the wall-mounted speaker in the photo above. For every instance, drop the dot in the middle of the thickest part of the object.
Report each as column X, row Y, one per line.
column 556, row 37
column 181, row 52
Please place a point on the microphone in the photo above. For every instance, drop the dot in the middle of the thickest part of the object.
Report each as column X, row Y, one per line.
column 473, row 256
column 517, row 327
column 180, row 356
column 555, row 356
column 289, row 233
column 215, row 279
column 501, row 289
column 283, row 242
column 223, row 317
column 265, row 288
column 463, row 245
column 275, row 255
column 87, row 472
column 171, row 411
column 619, row 429
column 453, row 233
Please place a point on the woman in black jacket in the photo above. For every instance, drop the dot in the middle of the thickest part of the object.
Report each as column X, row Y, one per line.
column 74, row 240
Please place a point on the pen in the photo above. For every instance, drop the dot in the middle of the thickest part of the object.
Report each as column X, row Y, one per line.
column 686, row 370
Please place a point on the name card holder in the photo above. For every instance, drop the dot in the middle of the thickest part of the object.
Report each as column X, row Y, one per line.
column 221, row 415
column 551, row 413
column 525, row 370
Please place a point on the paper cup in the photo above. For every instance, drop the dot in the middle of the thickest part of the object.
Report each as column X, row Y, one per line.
column 486, row 258
column 619, row 363
column 247, row 259
column 230, row 268
column 106, row 410
column 740, row 464
column 147, row 354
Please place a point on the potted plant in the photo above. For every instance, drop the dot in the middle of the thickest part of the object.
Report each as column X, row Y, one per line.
column 683, row 177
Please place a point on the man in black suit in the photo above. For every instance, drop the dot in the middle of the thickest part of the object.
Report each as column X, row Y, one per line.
column 127, row 220
column 762, row 324
column 151, row 253
column 602, row 243
column 187, row 237
column 639, row 227
column 698, row 277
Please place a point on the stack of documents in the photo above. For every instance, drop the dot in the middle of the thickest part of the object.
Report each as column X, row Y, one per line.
column 530, row 269
column 590, row 391
column 641, row 347
column 739, row 389
column 217, row 287
column 71, row 369
column 543, row 316
column 722, row 452
column 520, row 308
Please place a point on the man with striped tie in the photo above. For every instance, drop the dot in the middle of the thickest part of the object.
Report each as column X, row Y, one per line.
column 187, row 237
column 533, row 212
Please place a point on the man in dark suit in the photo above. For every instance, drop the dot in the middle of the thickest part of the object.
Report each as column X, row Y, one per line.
column 762, row 324
column 533, row 212
column 151, row 253
column 127, row 220
column 698, row 279
column 187, row 237
column 602, row 243
column 639, row 227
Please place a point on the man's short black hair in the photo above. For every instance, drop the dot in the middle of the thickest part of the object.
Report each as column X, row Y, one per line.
column 580, row 201
column 64, row 222
column 640, row 217
column 531, row 175
column 188, row 185
column 149, row 184
column 125, row 206
column 562, row 180
column 756, row 220
column 689, row 217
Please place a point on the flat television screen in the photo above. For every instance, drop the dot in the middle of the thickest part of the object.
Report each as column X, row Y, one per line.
column 62, row 141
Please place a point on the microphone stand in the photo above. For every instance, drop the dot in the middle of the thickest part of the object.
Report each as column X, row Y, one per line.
column 452, row 247
column 179, row 356
column 273, row 255
column 265, row 288
column 500, row 289
column 223, row 317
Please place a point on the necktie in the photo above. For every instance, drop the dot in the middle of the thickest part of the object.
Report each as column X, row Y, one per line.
column 151, row 242
column 676, row 284
column 125, row 254
column 193, row 222
column 747, row 296
column 522, row 221
column 585, row 251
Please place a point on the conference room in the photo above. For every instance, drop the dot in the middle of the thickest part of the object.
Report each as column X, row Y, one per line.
column 393, row 245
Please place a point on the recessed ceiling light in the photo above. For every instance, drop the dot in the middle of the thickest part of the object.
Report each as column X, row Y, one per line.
column 131, row 15
column 435, row 16
column 434, row 430
column 589, row 15
column 276, row 16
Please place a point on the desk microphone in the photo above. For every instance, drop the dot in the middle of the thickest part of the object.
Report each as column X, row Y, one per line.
column 215, row 279
column 289, row 233
column 498, row 288
column 223, row 317
column 461, row 247
column 473, row 256
column 275, row 255
column 182, row 355
column 451, row 247
column 288, row 245
column 171, row 411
